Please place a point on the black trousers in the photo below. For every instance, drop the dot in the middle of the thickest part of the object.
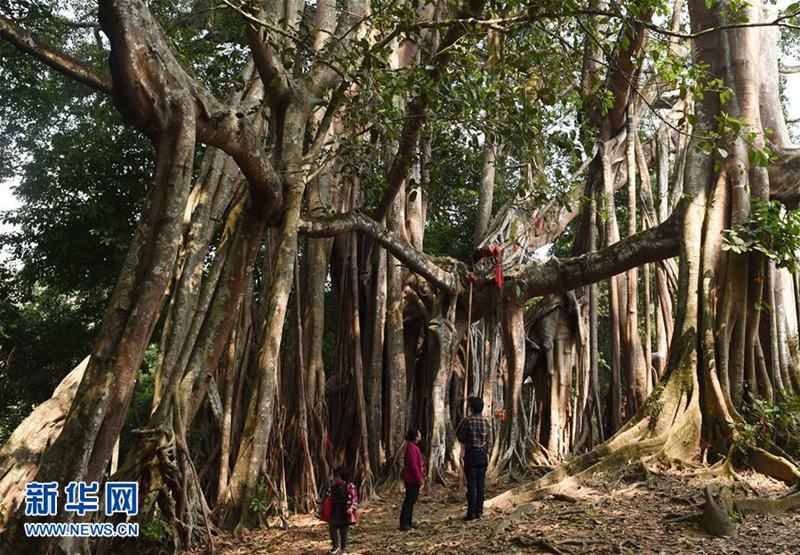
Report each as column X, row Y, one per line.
column 476, row 488
column 407, row 513
column 337, row 530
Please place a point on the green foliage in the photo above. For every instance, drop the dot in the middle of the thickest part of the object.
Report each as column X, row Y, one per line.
column 771, row 424
column 261, row 499
column 157, row 535
column 729, row 129
column 456, row 173
column 82, row 175
column 39, row 332
column 96, row 193
column 771, row 230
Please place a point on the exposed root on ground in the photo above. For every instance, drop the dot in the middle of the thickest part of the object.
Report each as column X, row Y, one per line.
column 544, row 544
column 773, row 466
column 771, row 505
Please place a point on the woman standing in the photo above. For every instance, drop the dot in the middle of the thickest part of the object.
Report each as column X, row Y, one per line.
column 413, row 477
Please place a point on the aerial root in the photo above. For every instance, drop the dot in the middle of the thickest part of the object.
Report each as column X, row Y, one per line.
column 565, row 478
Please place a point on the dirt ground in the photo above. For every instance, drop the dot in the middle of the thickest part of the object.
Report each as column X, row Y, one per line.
column 617, row 515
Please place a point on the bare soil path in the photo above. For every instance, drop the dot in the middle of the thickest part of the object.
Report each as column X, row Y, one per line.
column 625, row 515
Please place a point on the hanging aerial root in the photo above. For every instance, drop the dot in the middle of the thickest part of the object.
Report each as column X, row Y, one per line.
column 391, row 475
column 521, row 462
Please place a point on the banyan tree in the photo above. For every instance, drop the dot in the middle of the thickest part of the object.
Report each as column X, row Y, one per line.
column 620, row 285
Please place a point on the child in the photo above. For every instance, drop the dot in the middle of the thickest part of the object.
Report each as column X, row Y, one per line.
column 413, row 477
column 344, row 509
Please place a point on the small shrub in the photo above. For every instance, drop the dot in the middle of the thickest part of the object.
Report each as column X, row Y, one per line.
column 768, row 425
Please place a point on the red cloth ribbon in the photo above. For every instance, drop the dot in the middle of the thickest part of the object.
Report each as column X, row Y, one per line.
column 497, row 254
column 498, row 266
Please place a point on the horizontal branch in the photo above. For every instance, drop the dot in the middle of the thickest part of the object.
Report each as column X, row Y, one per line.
column 414, row 259
column 61, row 62
column 556, row 276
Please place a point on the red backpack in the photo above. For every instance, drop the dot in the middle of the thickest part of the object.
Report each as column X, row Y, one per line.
column 324, row 510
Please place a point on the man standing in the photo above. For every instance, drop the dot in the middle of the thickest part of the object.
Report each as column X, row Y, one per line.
column 475, row 434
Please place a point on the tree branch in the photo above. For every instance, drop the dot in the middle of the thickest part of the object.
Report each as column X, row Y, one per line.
column 415, row 260
column 418, row 107
column 276, row 79
column 61, row 62
column 523, row 18
column 147, row 76
column 554, row 276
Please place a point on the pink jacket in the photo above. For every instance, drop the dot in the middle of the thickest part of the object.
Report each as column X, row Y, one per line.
column 413, row 470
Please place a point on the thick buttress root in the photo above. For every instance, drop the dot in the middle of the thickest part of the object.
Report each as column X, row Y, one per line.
column 20, row 455
column 773, row 466
column 667, row 426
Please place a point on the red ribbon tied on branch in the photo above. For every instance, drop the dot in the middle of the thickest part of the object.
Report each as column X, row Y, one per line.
column 497, row 255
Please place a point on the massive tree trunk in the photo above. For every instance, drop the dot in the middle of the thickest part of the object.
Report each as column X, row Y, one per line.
column 514, row 448
column 614, row 302
column 443, row 335
column 83, row 449
column 256, row 436
column 374, row 386
column 636, row 365
column 396, row 363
